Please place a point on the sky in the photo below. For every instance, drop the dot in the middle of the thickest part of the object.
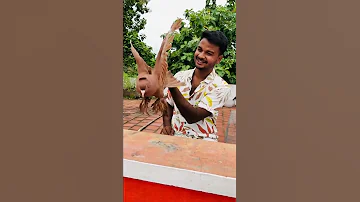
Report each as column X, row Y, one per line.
column 163, row 13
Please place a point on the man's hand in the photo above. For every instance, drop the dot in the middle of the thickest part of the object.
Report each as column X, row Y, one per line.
column 167, row 130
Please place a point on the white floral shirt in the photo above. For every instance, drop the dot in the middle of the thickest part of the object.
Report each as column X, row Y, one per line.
column 211, row 94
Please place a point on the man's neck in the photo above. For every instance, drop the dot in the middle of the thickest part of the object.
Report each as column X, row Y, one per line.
column 201, row 74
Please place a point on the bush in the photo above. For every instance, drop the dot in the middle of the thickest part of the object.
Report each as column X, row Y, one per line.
column 128, row 82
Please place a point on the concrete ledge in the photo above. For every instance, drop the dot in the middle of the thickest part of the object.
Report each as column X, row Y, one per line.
column 170, row 176
column 181, row 162
column 197, row 155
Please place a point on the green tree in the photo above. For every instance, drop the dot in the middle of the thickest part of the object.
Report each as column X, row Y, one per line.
column 133, row 23
column 212, row 17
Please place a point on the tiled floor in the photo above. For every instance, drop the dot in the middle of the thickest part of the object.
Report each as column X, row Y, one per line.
column 134, row 120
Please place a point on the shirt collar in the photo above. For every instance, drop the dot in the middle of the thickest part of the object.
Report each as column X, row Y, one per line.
column 207, row 80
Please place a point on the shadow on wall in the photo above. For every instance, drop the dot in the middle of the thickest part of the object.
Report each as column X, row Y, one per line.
column 232, row 99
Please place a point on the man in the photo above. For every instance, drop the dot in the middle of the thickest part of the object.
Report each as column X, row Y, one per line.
column 191, row 110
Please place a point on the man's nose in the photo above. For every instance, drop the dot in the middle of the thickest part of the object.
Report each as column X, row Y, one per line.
column 201, row 56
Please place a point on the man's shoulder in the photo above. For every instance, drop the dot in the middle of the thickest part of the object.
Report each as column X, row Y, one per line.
column 221, row 87
column 220, row 82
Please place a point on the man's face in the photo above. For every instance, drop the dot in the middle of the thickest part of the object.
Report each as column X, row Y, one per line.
column 207, row 55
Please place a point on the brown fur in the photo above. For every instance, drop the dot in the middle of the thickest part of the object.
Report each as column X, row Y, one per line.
column 159, row 106
column 144, row 105
column 153, row 81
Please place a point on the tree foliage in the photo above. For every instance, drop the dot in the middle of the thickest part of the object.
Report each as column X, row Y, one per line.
column 133, row 23
column 212, row 17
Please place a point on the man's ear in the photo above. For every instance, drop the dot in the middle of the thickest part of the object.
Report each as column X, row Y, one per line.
column 219, row 59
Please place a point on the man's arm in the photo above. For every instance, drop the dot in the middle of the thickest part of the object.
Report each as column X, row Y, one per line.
column 167, row 116
column 190, row 113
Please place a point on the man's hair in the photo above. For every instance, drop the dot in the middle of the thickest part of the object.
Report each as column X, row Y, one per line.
column 217, row 38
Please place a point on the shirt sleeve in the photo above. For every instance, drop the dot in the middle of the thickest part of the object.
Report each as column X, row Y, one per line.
column 215, row 99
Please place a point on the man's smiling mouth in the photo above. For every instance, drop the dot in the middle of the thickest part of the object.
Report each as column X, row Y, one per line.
column 200, row 61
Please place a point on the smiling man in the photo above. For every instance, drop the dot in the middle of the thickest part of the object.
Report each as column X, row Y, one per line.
column 191, row 110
